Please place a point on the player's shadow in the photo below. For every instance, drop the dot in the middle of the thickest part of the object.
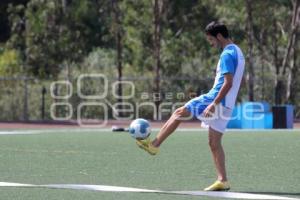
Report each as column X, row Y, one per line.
column 274, row 193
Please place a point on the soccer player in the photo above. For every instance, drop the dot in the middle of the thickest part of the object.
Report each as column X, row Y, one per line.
column 213, row 108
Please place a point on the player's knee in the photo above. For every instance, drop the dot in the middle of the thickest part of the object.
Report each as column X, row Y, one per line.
column 179, row 112
column 180, row 109
column 176, row 115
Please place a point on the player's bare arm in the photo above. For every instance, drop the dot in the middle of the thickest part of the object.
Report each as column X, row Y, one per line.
column 228, row 79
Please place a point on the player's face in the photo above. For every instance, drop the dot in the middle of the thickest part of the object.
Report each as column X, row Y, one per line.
column 212, row 41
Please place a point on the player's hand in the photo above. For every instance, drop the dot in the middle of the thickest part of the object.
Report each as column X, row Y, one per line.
column 210, row 110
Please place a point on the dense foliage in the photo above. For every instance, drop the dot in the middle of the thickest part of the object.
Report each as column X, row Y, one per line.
column 161, row 40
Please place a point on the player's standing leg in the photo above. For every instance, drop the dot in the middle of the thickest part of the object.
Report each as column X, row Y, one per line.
column 215, row 144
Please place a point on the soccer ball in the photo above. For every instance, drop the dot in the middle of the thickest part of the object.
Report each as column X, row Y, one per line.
column 139, row 129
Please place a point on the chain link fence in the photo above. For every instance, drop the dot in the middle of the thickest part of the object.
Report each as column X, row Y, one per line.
column 95, row 97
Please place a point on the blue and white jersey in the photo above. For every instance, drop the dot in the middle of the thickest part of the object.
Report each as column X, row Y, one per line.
column 231, row 61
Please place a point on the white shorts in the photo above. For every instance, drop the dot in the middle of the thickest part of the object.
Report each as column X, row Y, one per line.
column 219, row 120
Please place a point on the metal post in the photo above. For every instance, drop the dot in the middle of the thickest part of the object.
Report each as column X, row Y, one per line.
column 44, row 91
column 25, row 105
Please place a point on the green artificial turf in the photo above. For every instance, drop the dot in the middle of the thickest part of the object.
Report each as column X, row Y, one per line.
column 257, row 162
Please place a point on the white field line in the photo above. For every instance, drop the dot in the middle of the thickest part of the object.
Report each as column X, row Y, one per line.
column 108, row 188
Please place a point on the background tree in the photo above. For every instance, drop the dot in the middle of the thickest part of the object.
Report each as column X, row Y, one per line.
column 249, row 56
column 118, row 32
column 152, row 40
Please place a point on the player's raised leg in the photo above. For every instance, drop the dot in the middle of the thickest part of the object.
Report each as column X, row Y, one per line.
column 215, row 144
column 171, row 125
column 168, row 128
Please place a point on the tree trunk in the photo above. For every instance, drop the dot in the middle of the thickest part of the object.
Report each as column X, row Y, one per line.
column 157, row 11
column 262, row 62
column 250, row 38
column 277, row 96
column 290, row 47
column 292, row 39
column 117, row 29
column 292, row 77
column 64, row 5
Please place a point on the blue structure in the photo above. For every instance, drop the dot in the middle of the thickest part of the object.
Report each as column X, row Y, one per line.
column 290, row 116
column 252, row 115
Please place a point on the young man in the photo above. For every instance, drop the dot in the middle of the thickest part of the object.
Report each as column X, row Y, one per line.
column 213, row 108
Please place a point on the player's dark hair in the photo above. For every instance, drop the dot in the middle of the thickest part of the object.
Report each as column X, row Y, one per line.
column 214, row 28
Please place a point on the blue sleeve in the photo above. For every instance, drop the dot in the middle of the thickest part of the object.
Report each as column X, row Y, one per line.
column 227, row 64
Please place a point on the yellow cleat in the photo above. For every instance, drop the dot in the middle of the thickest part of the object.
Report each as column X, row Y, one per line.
column 218, row 186
column 147, row 146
